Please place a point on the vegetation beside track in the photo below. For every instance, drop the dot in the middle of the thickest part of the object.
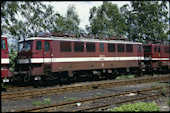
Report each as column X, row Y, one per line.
column 137, row 107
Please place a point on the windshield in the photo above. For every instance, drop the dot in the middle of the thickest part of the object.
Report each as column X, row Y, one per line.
column 147, row 48
column 3, row 45
column 25, row 47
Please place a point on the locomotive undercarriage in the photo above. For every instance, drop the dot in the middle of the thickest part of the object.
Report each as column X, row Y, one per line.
column 72, row 76
column 152, row 67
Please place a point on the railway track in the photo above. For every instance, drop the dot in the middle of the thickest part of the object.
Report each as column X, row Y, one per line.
column 61, row 90
column 72, row 106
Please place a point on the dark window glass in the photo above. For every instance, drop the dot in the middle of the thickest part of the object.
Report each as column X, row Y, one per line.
column 20, row 46
column 3, row 45
column 90, row 47
column 38, row 46
column 147, row 48
column 120, row 47
column 138, row 48
column 141, row 48
column 65, row 46
column 101, row 47
column 155, row 48
column 111, row 47
column 78, row 46
column 47, row 46
column 159, row 50
column 129, row 48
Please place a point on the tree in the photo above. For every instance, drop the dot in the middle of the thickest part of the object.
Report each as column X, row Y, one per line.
column 106, row 20
column 9, row 10
column 151, row 20
column 72, row 20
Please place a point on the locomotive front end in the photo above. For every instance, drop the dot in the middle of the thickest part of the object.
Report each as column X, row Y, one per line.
column 5, row 72
column 23, row 66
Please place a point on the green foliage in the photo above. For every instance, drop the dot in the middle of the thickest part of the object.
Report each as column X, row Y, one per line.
column 12, row 56
column 168, row 101
column 137, row 107
column 70, row 99
column 106, row 20
column 46, row 101
column 151, row 19
column 35, row 18
column 37, row 103
column 2, row 85
column 125, row 77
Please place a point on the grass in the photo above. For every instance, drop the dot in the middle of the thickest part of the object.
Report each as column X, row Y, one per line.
column 136, row 107
column 70, row 99
column 46, row 101
column 125, row 77
column 37, row 103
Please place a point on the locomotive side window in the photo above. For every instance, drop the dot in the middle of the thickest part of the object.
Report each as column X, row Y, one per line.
column 101, row 45
column 129, row 48
column 90, row 47
column 65, row 46
column 78, row 46
column 120, row 47
column 38, row 46
column 155, row 48
column 141, row 48
column 47, row 46
column 3, row 45
column 159, row 50
column 111, row 47
column 138, row 48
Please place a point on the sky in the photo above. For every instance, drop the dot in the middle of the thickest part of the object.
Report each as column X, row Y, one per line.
column 82, row 8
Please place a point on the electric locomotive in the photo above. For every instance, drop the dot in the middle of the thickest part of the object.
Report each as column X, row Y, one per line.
column 156, row 57
column 64, row 57
column 5, row 72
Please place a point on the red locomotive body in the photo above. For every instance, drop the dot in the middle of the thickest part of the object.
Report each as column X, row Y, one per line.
column 156, row 57
column 5, row 72
column 58, row 57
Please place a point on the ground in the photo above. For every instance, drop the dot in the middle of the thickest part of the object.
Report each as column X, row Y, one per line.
column 162, row 102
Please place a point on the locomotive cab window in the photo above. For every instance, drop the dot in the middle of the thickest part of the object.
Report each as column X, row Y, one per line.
column 38, row 45
column 120, row 47
column 3, row 45
column 147, row 48
column 78, row 46
column 129, row 48
column 65, row 46
column 111, row 47
column 24, row 46
column 47, row 46
column 90, row 47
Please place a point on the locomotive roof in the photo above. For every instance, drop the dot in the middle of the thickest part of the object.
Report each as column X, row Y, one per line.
column 79, row 39
column 3, row 36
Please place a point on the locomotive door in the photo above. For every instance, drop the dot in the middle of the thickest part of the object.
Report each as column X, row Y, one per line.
column 47, row 57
